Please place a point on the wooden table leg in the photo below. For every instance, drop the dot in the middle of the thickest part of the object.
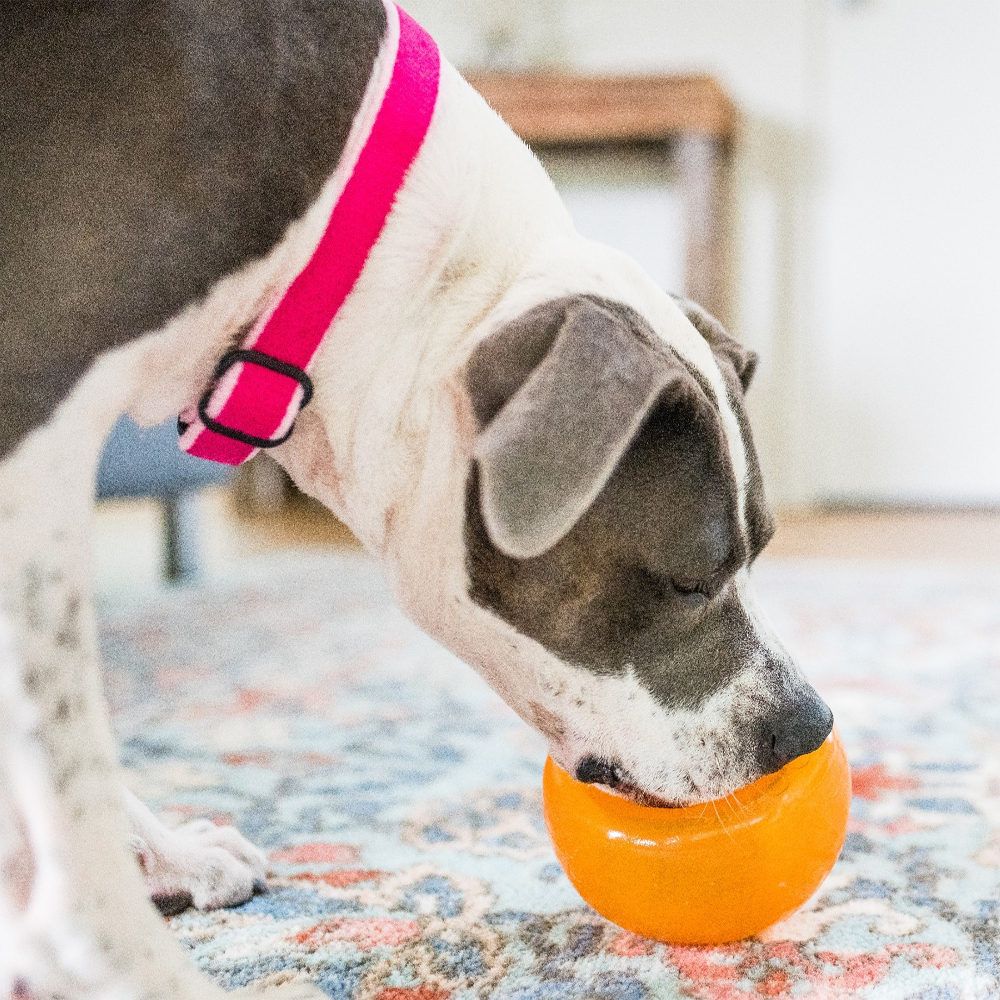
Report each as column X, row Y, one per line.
column 702, row 162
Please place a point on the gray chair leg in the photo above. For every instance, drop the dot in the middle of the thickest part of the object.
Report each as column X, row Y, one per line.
column 181, row 537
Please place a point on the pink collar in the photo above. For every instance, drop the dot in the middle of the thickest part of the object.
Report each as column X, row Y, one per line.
column 259, row 388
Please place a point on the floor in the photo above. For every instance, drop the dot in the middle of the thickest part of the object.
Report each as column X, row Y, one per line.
column 921, row 535
column 128, row 542
column 398, row 798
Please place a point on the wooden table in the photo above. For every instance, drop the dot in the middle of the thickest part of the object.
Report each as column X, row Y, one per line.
column 690, row 117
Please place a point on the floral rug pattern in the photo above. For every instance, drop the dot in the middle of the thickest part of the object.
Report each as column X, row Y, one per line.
column 399, row 799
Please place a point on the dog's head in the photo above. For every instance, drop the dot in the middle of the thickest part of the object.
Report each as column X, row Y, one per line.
column 613, row 509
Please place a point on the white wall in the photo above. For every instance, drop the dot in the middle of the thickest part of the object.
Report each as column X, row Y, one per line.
column 867, row 213
column 910, row 345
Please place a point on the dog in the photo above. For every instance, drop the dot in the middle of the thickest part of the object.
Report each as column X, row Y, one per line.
column 548, row 453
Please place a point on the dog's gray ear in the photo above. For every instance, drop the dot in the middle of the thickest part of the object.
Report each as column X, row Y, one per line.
column 742, row 359
column 559, row 394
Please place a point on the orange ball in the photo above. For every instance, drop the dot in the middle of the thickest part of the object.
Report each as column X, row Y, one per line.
column 709, row 873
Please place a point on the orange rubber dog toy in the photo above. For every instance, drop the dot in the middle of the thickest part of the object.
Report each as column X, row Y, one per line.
column 709, row 873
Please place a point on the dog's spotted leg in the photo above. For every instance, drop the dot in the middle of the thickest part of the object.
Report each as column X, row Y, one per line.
column 197, row 864
column 76, row 919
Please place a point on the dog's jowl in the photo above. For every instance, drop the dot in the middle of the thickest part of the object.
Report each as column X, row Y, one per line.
column 548, row 452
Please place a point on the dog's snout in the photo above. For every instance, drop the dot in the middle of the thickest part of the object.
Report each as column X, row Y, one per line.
column 598, row 771
column 798, row 731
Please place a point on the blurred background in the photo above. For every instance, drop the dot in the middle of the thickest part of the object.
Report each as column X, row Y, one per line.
column 821, row 173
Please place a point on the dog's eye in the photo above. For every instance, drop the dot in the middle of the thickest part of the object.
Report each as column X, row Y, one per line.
column 691, row 588
column 691, row 592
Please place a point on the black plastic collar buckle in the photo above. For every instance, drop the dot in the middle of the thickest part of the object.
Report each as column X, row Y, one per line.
column 249, row 356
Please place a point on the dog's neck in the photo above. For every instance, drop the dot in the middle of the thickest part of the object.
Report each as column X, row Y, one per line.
column 476, row 210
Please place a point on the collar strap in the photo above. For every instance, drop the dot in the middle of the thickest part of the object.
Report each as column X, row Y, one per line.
column 258, row 389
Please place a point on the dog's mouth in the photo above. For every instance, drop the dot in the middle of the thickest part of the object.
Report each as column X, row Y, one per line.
column 613, row 778
column 627, row 790
column 643, row 798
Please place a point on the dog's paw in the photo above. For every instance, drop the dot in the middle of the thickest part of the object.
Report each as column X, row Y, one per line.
column 203, row 865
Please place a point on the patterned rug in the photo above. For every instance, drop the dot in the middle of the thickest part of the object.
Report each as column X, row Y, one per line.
column 399, row 798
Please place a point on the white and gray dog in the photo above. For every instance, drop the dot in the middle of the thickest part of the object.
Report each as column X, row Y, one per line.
column 549, row 454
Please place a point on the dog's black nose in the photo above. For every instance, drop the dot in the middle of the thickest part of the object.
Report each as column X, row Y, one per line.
column 800, row 730
column 598, row 771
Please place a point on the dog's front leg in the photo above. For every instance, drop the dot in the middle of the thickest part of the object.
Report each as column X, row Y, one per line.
column 76, row 920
